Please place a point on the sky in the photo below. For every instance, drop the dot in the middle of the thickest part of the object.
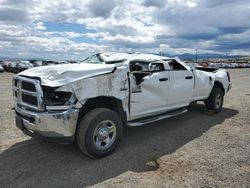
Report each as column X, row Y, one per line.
column 74, row 29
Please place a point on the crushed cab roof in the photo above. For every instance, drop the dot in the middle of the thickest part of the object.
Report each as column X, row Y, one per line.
column 114, row 56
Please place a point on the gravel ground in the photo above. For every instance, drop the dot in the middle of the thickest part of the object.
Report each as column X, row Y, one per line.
column 190, row 150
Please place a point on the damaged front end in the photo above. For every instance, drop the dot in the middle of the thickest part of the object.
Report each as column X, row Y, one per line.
column 43, row 111
column 48, row 100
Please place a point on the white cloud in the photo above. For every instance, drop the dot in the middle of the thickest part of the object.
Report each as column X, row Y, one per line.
column 39, row 26
column 173, row 26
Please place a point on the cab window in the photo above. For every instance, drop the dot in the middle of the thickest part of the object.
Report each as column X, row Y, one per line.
column 146, row 66
column 174, row 65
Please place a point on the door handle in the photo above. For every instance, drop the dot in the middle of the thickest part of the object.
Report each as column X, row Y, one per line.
column 189, row 77
column 163, row 79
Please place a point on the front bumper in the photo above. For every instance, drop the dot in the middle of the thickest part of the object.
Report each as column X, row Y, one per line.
column 55, row 126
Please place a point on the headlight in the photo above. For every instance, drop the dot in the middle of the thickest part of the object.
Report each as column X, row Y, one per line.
column 56, row 98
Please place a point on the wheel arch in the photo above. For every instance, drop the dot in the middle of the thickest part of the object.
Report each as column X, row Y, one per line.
column 108, row 102
column 219, row 85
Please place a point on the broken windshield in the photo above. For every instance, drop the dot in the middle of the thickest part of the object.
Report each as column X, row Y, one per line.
column 94, row 59
column 97, row 59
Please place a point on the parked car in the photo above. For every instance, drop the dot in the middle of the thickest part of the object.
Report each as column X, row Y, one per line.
column 21, row 66
column 36, row 63
column 92, row 101
column 1, row 68
column 10, row 66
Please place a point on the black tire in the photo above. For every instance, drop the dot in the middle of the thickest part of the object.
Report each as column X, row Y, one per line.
column 90, row 124
column 212, row 102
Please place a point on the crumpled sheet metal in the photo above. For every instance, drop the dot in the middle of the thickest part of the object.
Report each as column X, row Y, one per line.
column 203, row 85
column 110, row 85
column 59, row 75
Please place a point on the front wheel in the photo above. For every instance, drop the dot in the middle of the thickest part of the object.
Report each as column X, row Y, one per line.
column 215, row 100
column 99, row 132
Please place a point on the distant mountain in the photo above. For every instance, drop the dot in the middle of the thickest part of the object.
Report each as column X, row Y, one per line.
column 8, row 59
column 188, row 56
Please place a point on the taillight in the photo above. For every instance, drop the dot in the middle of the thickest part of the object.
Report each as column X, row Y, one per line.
column 228, row 76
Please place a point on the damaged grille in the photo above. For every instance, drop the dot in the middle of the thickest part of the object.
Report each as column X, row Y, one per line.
column 29, row 99
column 27, row 92
column 28, row 86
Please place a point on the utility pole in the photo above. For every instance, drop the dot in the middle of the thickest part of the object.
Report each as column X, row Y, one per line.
column 196, row 55
column 227, row 56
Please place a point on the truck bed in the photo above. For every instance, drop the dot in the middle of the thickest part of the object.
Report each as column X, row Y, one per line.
column 207, row 69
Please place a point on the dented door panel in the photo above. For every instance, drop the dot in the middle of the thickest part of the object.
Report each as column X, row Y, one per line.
column 150, row 96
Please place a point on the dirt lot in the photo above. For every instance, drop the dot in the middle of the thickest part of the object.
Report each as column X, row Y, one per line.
column 190, row 150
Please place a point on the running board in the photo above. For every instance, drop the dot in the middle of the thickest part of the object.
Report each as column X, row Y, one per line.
column 151, row 119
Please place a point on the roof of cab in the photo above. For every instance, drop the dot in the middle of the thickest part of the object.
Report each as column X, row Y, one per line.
column 118, row 56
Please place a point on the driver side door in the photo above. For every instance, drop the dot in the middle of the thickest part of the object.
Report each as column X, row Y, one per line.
column 148, row 97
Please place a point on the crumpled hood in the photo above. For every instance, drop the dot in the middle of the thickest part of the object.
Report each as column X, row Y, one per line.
column 59, row 75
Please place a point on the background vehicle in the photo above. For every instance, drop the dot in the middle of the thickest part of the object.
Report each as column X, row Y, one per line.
column 21, row 66
column 1, row 69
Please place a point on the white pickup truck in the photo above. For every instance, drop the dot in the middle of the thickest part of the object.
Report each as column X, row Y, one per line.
column 91, row 101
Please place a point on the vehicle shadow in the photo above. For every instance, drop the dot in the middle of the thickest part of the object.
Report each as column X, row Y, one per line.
column 36, row 163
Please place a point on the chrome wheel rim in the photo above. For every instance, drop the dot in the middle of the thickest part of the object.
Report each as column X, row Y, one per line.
column 104, row 134
column 218, row 101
